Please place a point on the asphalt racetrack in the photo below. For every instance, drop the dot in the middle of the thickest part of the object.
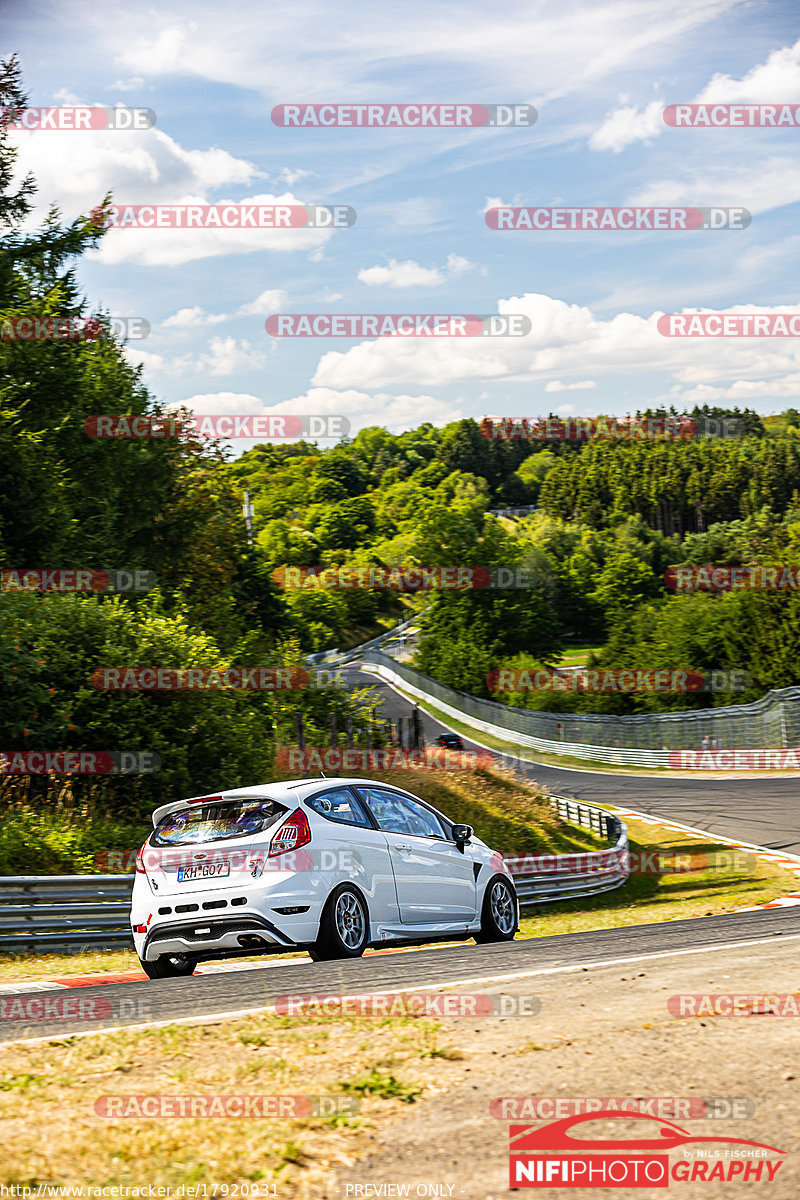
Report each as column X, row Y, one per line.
column 762, row 811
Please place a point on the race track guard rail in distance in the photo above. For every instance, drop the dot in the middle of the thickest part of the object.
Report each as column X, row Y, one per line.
column 43, row 914
column 645, row 740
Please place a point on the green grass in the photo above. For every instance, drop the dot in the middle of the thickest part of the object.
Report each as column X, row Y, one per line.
column 385, row 1086
column 648, row 899
column 577, row 654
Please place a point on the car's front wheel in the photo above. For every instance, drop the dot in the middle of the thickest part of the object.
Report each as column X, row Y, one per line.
column 344, row 928
column 168, row 966
column 499, row 914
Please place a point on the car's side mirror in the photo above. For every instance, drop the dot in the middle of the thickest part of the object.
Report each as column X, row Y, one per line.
column 461, row 835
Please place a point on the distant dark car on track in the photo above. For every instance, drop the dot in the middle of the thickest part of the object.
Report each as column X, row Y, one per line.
column 451, row 741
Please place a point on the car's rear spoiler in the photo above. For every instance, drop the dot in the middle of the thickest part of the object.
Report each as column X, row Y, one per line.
column 175, row 805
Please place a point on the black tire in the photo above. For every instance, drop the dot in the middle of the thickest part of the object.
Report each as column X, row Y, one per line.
column 500, row 912
column 168, row 966
column 344, row 927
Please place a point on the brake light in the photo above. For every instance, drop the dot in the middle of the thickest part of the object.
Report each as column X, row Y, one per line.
column 140, row 862
column 293, row 834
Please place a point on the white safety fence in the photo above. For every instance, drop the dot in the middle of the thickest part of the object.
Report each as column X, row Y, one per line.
column 621, row 755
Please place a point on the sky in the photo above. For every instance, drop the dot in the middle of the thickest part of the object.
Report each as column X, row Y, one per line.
column 599, row 74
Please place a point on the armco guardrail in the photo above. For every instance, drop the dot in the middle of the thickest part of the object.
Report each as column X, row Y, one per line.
column 542, row 879
column 51, row 913
column 42, row 913
column 342, row 656
column 772, row 722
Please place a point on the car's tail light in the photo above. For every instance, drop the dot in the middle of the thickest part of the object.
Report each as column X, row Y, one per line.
column 293, row 834
column 140, row 862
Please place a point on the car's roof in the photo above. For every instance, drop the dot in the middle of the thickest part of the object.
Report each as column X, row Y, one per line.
column 286, row 791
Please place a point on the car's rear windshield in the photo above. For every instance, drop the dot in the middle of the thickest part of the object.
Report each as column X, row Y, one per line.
column 216, row 822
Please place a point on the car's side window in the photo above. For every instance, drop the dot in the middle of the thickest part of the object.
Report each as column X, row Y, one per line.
column 401, row 814
column 339, row 804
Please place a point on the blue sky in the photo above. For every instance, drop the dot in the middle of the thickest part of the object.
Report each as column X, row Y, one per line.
column 598, row 73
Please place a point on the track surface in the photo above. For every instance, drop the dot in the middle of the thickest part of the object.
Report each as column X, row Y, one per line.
column 764, row 811
column 235, row 991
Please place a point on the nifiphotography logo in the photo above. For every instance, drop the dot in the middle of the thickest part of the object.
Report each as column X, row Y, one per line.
column 552, row 1156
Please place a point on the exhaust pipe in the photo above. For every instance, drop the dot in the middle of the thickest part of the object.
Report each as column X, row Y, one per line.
column 251, row 941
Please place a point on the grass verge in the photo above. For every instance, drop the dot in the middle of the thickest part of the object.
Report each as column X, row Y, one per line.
column 365, row 1068
column 732, row 880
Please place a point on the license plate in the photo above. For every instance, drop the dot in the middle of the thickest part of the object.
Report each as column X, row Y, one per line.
column 204, row 871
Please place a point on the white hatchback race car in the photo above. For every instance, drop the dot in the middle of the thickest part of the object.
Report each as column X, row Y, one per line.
column 330, row 866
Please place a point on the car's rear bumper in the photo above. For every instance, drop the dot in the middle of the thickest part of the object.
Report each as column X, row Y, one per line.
column 240, row 933
column 216, row 926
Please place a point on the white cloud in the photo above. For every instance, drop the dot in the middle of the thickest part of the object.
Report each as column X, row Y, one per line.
column 555, row 385
column 267, row 302
column 127, row 85
column 186, row 317
column 290, row 177
column 225, row 356
column 76, row 169
column 628, row 124
column 775, row 81
column 410, row 274
column 561, row 335
column 741, row 390
column 147, row 166
column 229, row 356
column 758, row 184
column 236, row 403
column 173, row 247
column 395, row 413
column 564, row 48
